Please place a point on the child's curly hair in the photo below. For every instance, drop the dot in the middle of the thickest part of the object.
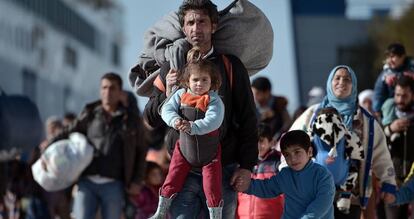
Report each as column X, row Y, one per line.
column 195, row 62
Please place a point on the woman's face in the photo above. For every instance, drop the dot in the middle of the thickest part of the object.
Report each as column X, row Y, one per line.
column 342, row 83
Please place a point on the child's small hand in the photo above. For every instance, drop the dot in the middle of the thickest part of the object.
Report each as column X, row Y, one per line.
column 178, row 124
column 388, row 197
column 182, row 125
column 186, row 126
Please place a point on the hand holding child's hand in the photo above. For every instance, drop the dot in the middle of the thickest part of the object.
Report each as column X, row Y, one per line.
column 388, row 197
column 241, row 184
column 241, row 179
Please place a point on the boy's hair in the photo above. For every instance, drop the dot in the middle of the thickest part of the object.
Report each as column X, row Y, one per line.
column 262, row 84
column 205, row 5
column 295, row 137
column 406, row 81
column 395, row 49
column 113, row 77
column 264, row 131
column 195, row 62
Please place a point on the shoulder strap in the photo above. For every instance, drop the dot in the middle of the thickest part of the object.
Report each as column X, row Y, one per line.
column 364, row 199
column 229, row 69
column 158, row 83
column 314, row 117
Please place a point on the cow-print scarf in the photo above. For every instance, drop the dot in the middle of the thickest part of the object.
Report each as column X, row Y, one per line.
column 329, row 127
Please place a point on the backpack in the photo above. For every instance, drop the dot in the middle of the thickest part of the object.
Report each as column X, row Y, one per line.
column 165, row 42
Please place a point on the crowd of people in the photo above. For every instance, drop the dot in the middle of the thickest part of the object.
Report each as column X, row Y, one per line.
column 231, row 148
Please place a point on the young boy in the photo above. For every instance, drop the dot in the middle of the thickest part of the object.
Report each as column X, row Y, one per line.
column 250, row 206
column 308, row 187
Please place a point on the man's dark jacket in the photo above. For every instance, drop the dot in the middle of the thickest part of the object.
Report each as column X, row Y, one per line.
column 130, row 130
column 238, row 132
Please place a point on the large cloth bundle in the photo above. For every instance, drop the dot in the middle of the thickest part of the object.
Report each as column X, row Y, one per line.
column 62, row 162
column 21, row 128
column 243, row 30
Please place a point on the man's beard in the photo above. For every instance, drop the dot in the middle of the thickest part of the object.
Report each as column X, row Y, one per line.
column 404, row 108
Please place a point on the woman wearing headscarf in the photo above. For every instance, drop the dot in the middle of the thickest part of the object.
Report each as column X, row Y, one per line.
column 364, row 149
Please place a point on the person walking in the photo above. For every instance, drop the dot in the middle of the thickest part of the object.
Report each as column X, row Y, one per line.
column 368, row 139
column 118, row 165
column 238, row 132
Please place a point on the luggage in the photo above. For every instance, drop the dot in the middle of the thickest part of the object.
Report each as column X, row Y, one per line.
column 165, row 42
column 62, row 162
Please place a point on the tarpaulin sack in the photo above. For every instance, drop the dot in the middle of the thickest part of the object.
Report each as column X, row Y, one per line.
column 21, row 128
column 63, row 162
column 243, row 30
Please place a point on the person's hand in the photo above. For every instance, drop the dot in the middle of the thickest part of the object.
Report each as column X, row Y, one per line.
column 134, row 188
column 43, row 164
column 171, row 80
column 409, row 74
column 388, row 197
column 267, row 114
column 400, row 125
column 378, row 115
column 241, row 184
column 241, row 179
column 43, row 145
column 183, row 125
column 390, row 79
column 177, row 124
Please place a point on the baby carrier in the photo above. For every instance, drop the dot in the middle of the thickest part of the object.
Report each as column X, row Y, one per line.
column 198, row 150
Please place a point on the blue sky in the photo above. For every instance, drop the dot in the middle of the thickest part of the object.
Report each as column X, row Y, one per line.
column 140, row 15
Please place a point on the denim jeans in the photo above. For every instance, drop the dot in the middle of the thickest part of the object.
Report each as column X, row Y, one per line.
column 108, row 196
column 190, row 202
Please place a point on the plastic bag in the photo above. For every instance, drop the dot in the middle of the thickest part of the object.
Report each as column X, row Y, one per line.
column 64, row 161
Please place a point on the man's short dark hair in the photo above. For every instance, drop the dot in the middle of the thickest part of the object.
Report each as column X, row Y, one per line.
column 297, row 138
column 406, row 81
column 395, row 49
column 69, row 116
column 262, row 84
column 264, row 131
column 113, row 77
column 205, row 5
